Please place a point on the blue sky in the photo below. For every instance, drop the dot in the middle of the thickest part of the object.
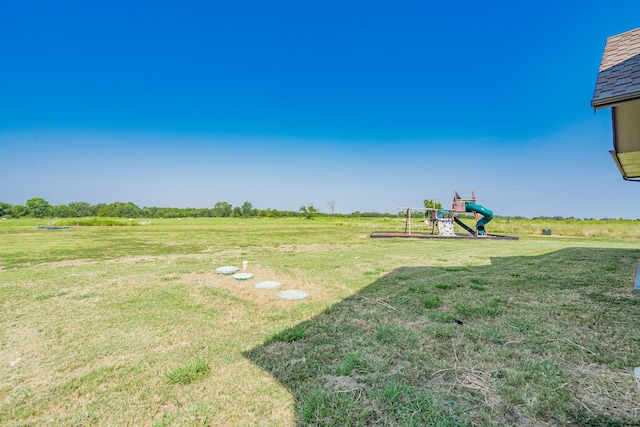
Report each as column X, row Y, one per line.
column 371, row 104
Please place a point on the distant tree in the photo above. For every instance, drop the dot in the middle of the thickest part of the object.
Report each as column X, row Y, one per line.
column 96, row 208
column 5, row 209
column 308, row 211
column 108, row 210
column 332, row 205
column 38, row 208
column 80, row 209
column 267, row 213
column 199, row 213
column 122, row 210
column 173, row 213
column 222, row 209
column 374, row 215
column 130, row 210
column 18, row 211
column 61, row 211
column 430, row 204
column 247, row 210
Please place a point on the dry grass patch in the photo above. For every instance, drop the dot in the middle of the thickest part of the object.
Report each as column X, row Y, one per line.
column 246, row 291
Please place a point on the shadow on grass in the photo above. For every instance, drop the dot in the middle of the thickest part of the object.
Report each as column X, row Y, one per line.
column 503, row 343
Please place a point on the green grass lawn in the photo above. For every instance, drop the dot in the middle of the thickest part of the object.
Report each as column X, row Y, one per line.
column 130, row 324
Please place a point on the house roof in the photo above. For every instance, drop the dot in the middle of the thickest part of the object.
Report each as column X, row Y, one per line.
column 619, row 75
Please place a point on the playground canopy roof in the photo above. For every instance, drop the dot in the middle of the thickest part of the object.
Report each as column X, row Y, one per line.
column 618, row 87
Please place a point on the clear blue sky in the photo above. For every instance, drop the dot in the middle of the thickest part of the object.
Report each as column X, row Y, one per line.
column 371, row 104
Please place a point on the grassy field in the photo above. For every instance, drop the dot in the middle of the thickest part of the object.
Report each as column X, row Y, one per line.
column 130, row 325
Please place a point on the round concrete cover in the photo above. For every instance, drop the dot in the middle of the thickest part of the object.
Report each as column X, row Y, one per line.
column 293, row 295
column 227, row 269
column 268, row 284
column 242, row 276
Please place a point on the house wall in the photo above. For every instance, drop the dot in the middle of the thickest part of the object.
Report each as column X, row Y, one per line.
column 626, row 124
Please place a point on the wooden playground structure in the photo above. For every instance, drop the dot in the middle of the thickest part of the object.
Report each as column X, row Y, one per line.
column 442, row 220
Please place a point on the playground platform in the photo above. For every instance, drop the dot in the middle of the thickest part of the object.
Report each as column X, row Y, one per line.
column 423, row 235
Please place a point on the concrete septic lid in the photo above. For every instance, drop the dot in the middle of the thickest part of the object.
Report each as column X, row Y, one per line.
column 227, row 269
column 293, row 295
column 242, row 276
column 268, row 284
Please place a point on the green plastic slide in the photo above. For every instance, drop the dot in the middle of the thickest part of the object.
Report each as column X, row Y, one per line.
column 487, row 215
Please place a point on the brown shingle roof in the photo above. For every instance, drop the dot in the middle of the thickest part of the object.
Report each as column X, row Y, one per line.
column 619, row 76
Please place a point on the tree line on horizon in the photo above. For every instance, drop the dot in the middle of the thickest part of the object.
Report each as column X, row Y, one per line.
column 38, row 207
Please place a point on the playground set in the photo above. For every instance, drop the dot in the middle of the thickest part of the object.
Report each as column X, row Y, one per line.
column 442, row 220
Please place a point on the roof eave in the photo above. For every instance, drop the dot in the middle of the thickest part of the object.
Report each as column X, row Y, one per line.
column 613, row 101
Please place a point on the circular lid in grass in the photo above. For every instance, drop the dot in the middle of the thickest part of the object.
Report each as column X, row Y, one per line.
column 293, row 295
column 242, row 276
column 227, row 269
column 268, row 284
